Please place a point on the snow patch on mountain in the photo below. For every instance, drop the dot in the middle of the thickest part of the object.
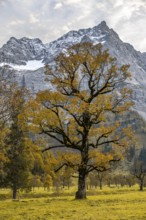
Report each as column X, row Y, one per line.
column 132, row 81
column 30, row 65
column 142, row 114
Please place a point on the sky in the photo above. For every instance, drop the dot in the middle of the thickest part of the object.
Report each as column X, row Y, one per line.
column 50, row 19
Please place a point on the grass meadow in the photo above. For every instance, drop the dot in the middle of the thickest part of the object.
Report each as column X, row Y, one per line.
column 106, row 204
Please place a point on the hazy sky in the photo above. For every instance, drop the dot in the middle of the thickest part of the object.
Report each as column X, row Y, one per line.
column 49, row 19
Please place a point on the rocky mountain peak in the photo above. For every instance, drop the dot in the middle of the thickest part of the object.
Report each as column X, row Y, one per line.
column 24, row 39
column 95, row 35
column 12, row 40
column 102, row 26
column 32, row 54
column 19, row 51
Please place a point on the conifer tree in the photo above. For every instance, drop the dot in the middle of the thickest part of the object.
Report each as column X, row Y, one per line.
column 19, row 151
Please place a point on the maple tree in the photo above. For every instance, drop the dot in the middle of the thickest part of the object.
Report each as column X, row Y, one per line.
column 82, row 110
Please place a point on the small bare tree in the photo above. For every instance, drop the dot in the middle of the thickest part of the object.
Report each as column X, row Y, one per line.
column 139, row 171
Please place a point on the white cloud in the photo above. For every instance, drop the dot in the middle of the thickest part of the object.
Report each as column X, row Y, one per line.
column 49, row 19
column 65, row 28
column 58, row 5
column 70, row 2
column 33, row 19
column 16, row 22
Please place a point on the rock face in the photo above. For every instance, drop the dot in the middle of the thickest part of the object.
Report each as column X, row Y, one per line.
column 28, row 56
column 20, row 51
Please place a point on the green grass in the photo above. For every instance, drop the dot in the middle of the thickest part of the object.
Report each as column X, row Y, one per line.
column 108, row 204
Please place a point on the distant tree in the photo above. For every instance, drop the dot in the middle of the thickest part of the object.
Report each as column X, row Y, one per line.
column 47, row 181
column 130, row 180
column 49, row 175
column 131, row 153
column 142, row 155
column 80, row 112
column 92, row 180
column 97, row 178
column 138, row 168
column 101, row 176
column 139, row 171
column 36, row 181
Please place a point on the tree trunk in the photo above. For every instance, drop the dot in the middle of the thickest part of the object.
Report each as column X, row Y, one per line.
column 14, row 192
column 109, row 183
column 68, row 185
column 129, row 184
column 100, row 184
column 81, row 193
column 63, row 183
column 87, row 187
column 141, row 185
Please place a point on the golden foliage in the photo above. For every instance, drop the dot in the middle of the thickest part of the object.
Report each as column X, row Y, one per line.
column 82, row 111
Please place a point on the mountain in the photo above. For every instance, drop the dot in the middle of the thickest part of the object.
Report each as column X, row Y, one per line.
column 27, row 58
column 20, row 51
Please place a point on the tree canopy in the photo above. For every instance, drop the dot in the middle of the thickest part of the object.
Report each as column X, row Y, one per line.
column 82, row 110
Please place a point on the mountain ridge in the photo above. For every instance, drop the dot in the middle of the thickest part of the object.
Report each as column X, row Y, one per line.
column 18, row 54
column 97, row 33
